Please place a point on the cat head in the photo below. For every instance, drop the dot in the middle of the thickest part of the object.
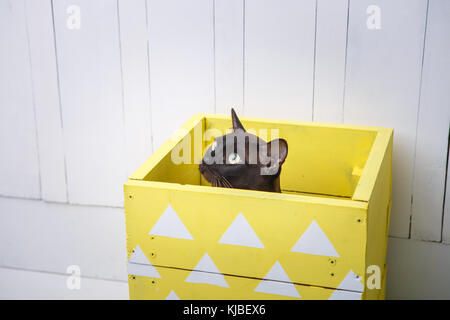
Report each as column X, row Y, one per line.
column 244, row 161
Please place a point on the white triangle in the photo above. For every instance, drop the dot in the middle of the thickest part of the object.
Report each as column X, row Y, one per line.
column 211, row 276
column 274, row 287
column 240, row 233
column 314, row 241
column 206, row 264
column 208, row 278
column 170, row 225
column 139, row 265
column 172, row 296
column 138, row 256
column 352, row 281
column 345, row 295
column 277, row 273
column 142, row 270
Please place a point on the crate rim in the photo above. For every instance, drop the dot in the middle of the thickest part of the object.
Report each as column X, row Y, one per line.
column 361, row 194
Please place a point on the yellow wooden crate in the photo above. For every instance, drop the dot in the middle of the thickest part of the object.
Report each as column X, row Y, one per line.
column 319, row 239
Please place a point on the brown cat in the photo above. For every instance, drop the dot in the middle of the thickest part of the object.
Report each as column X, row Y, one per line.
column 242, row 160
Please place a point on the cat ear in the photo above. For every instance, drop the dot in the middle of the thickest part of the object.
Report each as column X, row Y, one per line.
column 236, row 123
column 282, row 150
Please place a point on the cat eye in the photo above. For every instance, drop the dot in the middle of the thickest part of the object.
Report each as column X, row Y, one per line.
column 233, row 158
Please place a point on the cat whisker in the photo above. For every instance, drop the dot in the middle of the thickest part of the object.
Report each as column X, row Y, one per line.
column 226, row 183
column 219, row 180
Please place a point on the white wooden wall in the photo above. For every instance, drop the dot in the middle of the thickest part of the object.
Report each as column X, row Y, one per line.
column 89, row 89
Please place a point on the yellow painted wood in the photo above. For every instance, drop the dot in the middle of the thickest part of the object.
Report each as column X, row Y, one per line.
column 379, row 211
column 377, row 294
column 337, row 176
column 239, row 288
column 278, row 223
column 159, row 167
column 380, row 152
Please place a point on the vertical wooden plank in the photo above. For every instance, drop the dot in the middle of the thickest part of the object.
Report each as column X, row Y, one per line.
column 279, row 58
column 382, row 86
column 19, row 164
column 446, row 218
column 433, row 127
column 329, row 73
column 229, row 55
column 135, row 77
column 91, row 98
column 181, row 63
column 46, row 100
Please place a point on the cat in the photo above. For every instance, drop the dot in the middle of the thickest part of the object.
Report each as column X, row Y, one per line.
column 242, row 160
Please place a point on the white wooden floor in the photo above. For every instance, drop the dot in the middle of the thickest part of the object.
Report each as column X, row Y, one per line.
column 22, row 284
column 417, row 270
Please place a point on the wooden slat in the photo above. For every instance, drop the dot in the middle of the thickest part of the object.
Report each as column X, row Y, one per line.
column 91, row 97
column 229, row 55
column 279, row 58
column 177, row 283
column 135, row 77
column 19, row 169
column 331, row 39
column 382, row 86
column 433, row 127
column 46, row 100
column 181, row 38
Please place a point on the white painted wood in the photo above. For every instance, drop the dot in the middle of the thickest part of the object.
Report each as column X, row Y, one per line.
column 417, row 270
column 433, row 127
column 91, row 97
column 136, row 87
column 49, row 237
column 329, row 73
column 46, row 100
column 181, row 42
column 446, row 219
column 229, row 55
column 382, row 86
column 170, row 225
column 240, row 233
column 19, row 163
column 31, row 285
column 279, row 58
